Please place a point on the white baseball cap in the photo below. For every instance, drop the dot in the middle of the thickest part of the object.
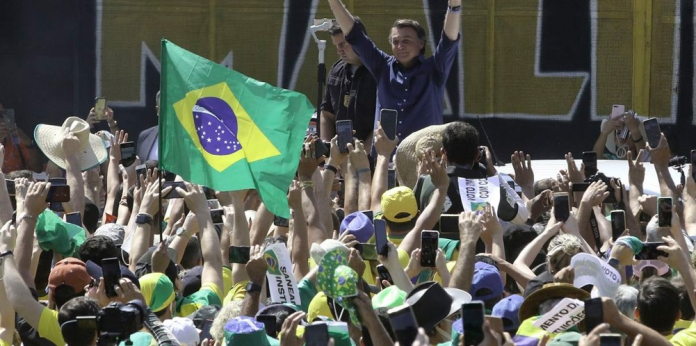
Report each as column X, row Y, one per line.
column 184, row 330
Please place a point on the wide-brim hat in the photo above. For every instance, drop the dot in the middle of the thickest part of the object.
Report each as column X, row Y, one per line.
column 406, row 157
column 49, row 138
column 431, row 303
column 530, row 305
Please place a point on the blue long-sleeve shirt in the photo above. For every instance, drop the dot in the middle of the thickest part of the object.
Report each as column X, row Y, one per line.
column 417, row 93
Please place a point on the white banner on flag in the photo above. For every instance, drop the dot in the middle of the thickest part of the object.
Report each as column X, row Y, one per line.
column 476, row 192
column 590, row 270
column 281, row 280
column 567, row 313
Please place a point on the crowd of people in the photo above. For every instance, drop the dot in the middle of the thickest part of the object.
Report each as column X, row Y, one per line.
column 103, row 250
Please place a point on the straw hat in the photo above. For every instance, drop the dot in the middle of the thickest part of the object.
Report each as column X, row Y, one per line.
column 49, row 139
column 406, row 158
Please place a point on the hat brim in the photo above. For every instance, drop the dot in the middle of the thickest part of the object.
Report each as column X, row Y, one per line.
column 530, row 305
column 459, row 297
column 49, row 138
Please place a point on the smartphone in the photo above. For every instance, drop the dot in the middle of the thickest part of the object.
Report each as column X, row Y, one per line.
column 213, row 204
column 381, row 237
column 270, row 323
column 127, row 153
column 383, row 273
column 58, row 193
column 403, row 324
column 317, row 334
column 618, row 223
column 580, row 187
column 100, row 107
column 664, row 212
column 205, row 330
column 594, row 315
column 652, row 131
column 429, row 240
column 58, row 181
column 610, row 339
column 391, row 179
column 368, row 251
column 449, row 223
column 216, row 215
column 111, row 271
column 8, row 117
column 174, row 184
column 561, row 207
column 617, row 111
column 693, row 164
column 281, row 222
column 344, row 130
column 473, row 314
column 10, row 187
column 140, row 170
column 369, row 214
column 74, row 218
column 650, row 251
column 589, row 158
column 322, row 148
column 239, row 254
column 388, row 119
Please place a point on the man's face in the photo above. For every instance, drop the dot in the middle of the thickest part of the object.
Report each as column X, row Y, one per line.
column 406, row 45
column 344, row 50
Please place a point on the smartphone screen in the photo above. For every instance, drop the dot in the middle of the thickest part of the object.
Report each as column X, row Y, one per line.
column 317, row 334
column 652, row 130
column 74, row 218
column 213, row 204
column 369, row 214
column 270, row 323
column 205, row 330
column 618, row 223
column 112, row 274
column 388, row 119
column 561, row 206
column 281, row 222
column 693, row 162
column 322, row 148
column 58, row 193
column 594, row 314
column 391, row 179
column 449, row 223
column 216, row 216
column 174, row 184
column 383, row 273
column 344, row 130
column 617, row 111
column 473, row 318
column 127, row 153
column 368, row 251
column 610, row 339
column 140, row 170
column 381, row 237
column 99, row 107
column 664, row 212
column 429, row 240
column 589, row 158
column 239, row 254
column 10, row 187
column 404, row 324
column 650, row 251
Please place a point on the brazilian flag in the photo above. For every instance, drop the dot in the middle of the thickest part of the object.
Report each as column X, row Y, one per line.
column 221, row 129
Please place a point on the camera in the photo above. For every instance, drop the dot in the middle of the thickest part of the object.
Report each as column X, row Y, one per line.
column 116, row 321
column 601, row 177
column 677, row 161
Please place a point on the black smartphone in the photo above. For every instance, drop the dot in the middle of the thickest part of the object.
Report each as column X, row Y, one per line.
column 56, row 206
column 589, row 158
column 140, row 170
column 650, row 251
column 10, row 187
column 173, row 193
column 58, row 181
column 580, row 187
column 281, row 222
column 74, row 218
column 561, row 207
column 594, row 314
column 391, row 179
column 344, row 130
column 383, row 273
column 216, row 215
column 270, row 323
column 664, row 212
column 610, row 339
column 205, row 330
column 473, row 318
column 322, row 148
column 369, row 214
column 403, row 324
column 317, row 334
column 449, row 223
column 368, row 252
column 381, row 237
column 127, row 153
column 618, row 223
column 693, row 164
column 58, row 193
column 111, row 271
column 652, row 131
column 239, row 254
column 429, row 241
column 388, row 119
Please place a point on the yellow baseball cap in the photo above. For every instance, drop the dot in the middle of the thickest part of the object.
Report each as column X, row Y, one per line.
column 399, row 204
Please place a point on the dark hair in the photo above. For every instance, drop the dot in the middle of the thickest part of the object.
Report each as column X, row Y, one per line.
column 78, row 307
column 335, row 29
column 410, row 23
column 19, row 174
column 687, row 311
column 401, row 226
column 460, row 142
column 64, row 293
column 658, row 304
column 97, row 248
column 192, row 253
column 91, row 217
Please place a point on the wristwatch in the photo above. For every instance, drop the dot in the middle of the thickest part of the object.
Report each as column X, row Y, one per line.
column 614, row 262
column 253, row 287
column 454, row 9
column 143, row 219
column 6, row 253
column 181, row 232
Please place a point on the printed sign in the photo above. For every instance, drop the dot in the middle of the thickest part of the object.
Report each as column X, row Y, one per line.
column 567, row 313
column 590, row 270
column 279, row 275
column 476, row 192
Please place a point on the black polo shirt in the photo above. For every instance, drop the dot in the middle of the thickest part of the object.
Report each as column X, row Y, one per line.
column 351, row 96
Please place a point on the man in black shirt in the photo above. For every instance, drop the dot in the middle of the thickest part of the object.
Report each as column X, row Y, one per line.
column 351, row 93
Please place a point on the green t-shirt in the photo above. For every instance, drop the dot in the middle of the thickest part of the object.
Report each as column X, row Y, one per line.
column 307, row 291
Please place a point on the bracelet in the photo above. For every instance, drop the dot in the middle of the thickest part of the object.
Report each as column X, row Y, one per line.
column 362, row 170
column 6, row 253
column 331, row 168
column 454, row 9
column 27, row 216
column 306, row 184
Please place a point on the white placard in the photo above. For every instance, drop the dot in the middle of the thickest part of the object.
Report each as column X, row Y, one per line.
column 567, row 313
column 281, row 280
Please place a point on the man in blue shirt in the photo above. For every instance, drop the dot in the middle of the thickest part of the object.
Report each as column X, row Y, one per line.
column 406, row 81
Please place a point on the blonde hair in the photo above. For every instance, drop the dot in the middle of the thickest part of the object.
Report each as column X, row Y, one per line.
column 561, row 249
column 426, row 143
column 229, row 311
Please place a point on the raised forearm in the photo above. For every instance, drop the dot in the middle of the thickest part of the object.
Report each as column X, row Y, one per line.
column 529, row 253
column 24, row 247
column 520, row 276
column 463, row 272
column 300, row 245
column 452, row 21
column 364, row 186
column 250, row 304
column 239, row 237
column 598, row 147
column 317, row 233
column 139, row 244
column 210, row 250
column 343, row 17
column 667, row 186
column 262, row 222
column 5, row 204
column 76, row 183
column 379, row 182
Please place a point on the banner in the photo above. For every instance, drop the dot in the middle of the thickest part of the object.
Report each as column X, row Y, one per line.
column 567, row 313
column 590, row 270
column 476, row 192
column 281, row 280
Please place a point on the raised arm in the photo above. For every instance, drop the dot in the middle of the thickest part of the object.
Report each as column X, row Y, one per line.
column 148, row 207
column 361, row 166
column 5, row 204
column 299, row 236
column 256, row 271
column 73, row 175
column 469, row 233
column 527, row 255
column 660, row 158
column 343, row 17
column 113, row 178
column 453, row 20
column 34, row 204
column 689, row 198
column 492, row 236
column 237, row 226
column 305, row 171
column 384, row 148
column 333, row 162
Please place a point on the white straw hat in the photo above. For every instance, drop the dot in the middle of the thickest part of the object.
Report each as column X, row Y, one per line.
column 49, row 139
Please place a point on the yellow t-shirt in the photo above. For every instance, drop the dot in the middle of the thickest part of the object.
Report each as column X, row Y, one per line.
column 4, row 343
column 209, row 294
column 49, row 327
column 237, row 292
column 686, row 337
column 226, row 280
